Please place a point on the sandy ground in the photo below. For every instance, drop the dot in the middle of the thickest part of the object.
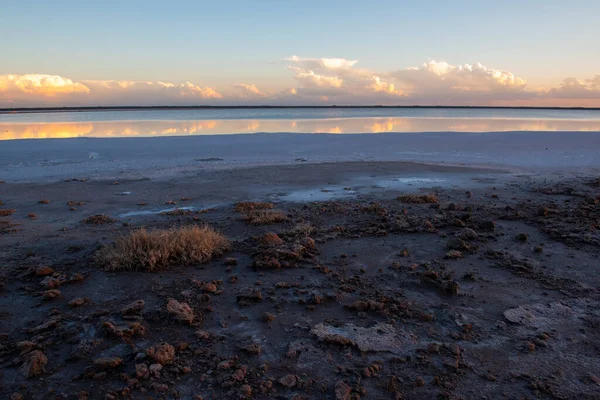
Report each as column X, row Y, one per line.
column 365, row 299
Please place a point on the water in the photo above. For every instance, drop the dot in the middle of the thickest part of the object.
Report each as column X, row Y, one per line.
column 330, row 120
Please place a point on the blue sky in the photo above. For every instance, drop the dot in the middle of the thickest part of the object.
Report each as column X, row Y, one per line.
column 223, row 43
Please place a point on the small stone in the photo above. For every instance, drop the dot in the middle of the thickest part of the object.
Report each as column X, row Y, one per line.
column 267, row 316
column 162, row 353
column 231, row 261
column 522, row 237
column 203, row 335
column 180, row 311
column 51, row 294
column 289, row 381
column 34, row 363
column 245, row 391
column 209, row 287
column 453, row 255
column 133, row 308
column 16, row 396
column 342, row 391
column 50, row 283
column 489, row 226
column 44, row 270
column 239, row 374
column 270, row 239
column 141, row 371
column 108, row 362
column 468, row 234
column 80, row 301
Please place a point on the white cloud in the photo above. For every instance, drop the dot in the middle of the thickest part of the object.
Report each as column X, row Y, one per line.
column 250, row 90
column 572, row 88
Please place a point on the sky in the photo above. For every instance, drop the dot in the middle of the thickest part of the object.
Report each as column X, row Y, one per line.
column 273, row 52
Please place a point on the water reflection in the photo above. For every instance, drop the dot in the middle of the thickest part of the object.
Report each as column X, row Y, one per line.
column 331, row 126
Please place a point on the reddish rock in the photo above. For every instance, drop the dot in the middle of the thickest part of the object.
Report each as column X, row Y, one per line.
column 141, row 371
column 51, row 294
column 44, row 270
column 162, row 353
column 270, row 239
column 34, row 363
column 289, row 381
column 180, row 311
column 209, row 287
column 342, row 391
column 108, row 362
column 133, row 308
column 80, row 301
column 50, row 283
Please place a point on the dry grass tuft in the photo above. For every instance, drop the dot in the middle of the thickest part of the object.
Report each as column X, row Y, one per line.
column 44, row 202
column 247, row 206
column 7, row 212
column 418, row 198
column 75, row 203
column 264, row 217
column 157, row 250
column 99, row 219
column 32, row 216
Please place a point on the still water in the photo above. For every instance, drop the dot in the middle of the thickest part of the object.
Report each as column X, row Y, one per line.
column 332, row 121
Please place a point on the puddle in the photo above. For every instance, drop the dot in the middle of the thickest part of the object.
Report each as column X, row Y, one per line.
column 156, row 212
column 324, row 194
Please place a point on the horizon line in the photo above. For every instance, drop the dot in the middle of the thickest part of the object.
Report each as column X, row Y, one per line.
column 17, row 110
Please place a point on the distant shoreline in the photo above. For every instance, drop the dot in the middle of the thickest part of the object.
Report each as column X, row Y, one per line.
column 24, row 110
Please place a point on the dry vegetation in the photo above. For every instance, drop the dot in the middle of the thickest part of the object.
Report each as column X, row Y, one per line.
column 418, row 198
column 99, row 219
column 176, row 212
column 44, row 202
column 156, row 250
column 7, row 212
column 264, row 217
column 32, row 216
column 247, row 206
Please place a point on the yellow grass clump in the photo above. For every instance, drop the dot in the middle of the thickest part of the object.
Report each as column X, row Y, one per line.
column 247, row 206
column 7, row 212
column 156, row 250
column 264, row 217
column 418, row 198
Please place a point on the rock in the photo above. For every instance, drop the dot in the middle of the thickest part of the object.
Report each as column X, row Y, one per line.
column 245, row 391
column 239, row 374
column 50, row 282
column 180, row 311
column 379, row 337
column 342, row 391
column 522, row 237
column 202, row 335
column 108, row 362
column 271, row 239
column 51, row 294
column 160, row 387
column 76, row 278
column 252, row 348
column 468, row 234
column 133, row 308
column 16, row 396
column 249, row 295
column 230, row 261
column 450, row 287
column 43, row 270
column 289, row 381
column 119, row 331
column 163, row 353
column 227, row 364
column 141, row 371
column 155, row 370
column 267, row 316
column 34, row 363
column 80, row 301
column 456, row 243
column 453, row 255
column 209, row 287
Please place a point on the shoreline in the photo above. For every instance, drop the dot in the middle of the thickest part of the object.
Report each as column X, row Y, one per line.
column 128, row 108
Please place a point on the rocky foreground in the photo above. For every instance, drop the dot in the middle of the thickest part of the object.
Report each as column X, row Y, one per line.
column 447, row 293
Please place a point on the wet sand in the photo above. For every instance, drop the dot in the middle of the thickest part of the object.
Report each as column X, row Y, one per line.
column 489, row 293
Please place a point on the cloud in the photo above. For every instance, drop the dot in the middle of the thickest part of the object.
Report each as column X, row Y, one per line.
column 34, row 90
column 460, row 83
column 572, row 88
column 249, row 90
column 316, row 81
